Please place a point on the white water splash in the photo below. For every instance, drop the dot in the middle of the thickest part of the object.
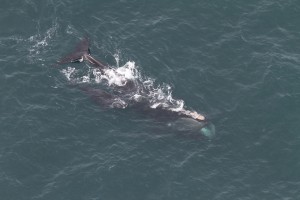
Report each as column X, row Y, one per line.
column 158, row 96
column 39, row 44
column 119, row 76
column 68, row 72
column 117, row 58
column 41, row 40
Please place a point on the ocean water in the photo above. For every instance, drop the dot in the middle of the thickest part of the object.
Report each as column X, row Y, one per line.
column 235, row 62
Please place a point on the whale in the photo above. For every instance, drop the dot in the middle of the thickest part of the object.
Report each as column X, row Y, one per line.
column 116, row 97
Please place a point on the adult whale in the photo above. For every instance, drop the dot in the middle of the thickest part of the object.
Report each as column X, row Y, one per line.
column 116, row 99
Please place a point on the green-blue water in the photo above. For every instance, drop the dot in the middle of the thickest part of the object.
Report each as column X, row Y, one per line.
column 236, row 62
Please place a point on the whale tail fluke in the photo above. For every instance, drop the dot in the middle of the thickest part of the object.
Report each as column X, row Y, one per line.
column 79, row 54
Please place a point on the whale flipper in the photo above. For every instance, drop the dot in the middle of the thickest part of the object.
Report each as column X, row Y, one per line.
column 78, row 55
column 82, row 52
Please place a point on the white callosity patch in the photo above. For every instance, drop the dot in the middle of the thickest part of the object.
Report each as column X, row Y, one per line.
column 192, row 114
